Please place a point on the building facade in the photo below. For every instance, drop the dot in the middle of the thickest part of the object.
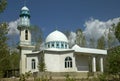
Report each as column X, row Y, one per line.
column 57, row 54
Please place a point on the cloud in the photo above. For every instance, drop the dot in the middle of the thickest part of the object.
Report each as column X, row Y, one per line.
column 96, row 28
column 72, row 38
column 13, row 28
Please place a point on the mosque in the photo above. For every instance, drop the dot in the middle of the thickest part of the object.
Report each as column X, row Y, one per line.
column 58, row 56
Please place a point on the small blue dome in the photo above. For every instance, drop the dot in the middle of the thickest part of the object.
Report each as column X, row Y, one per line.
column 25, row 12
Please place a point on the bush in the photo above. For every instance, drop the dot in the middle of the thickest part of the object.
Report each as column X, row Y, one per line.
column 102, row 77
column 68, row 78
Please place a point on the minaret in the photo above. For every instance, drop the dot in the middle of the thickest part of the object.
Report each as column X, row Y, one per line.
column 24, row 26
column 25, row 45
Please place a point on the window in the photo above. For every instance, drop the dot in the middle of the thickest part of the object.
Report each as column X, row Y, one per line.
column 33, row 63
column 26, row 34
column 68, row 62
column 57, row 44
column 62, row 45
column 52, row 44
column 48, row 44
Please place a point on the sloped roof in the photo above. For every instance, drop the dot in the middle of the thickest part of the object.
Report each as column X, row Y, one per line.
column 77, row 48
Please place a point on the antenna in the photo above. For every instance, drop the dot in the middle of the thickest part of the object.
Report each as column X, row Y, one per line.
column 24, row 2
column 56, row 27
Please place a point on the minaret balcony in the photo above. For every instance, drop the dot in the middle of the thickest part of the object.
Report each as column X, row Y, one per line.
column 27, row 43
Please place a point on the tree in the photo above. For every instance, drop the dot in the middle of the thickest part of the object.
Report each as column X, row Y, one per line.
column 80, row 38
column 67, row 33
column 41, row 65
column 110, row 37
column 4, row 51
column 114, row 60
column 117, row 31
column 3, row 4
column 101, row 43
column 14, row 60
column 92, row 42
column 37, row 37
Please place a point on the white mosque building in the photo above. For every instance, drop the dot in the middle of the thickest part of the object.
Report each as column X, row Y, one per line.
column 58, row 57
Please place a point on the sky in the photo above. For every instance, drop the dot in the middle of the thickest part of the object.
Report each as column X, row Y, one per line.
column 92, row 16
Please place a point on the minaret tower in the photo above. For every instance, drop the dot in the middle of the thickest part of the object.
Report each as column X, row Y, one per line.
column 25, row 45
column 24, row 26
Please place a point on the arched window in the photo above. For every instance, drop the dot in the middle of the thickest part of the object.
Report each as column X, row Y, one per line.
column 26, row 34
column 57, row 44
column 68, row 62
column 62, row 45
column 52, row 44
column 33, row 63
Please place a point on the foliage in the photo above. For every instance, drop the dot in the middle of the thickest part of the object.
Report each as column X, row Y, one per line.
column 110, row 37
column 4, row 52
column 3, row 4
column 92, row 42
column 67, row 33
column 80, row 38
column 101, row 43
column 14, row 60
column 37, row 37
column 114, row 60
column 41, row 65
column 117, row 31
column 67, row 78
column 102, row 77
column 43, row 78
column 24, row 77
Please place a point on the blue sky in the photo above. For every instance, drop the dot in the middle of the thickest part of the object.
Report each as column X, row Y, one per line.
column 63, row 14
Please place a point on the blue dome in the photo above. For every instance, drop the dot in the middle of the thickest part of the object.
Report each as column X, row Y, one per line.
column 25, row 12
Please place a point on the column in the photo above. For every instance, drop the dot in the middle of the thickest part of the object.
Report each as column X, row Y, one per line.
column 101, row 64
column 93, row 64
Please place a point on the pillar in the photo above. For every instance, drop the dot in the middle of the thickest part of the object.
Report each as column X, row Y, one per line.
column 93, row 64
column 101, row 64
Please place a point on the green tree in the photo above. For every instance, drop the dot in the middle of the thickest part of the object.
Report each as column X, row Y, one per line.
column 101, row 43
column 14, row 60
column 41, row 65
column 92, row 42
column 67, row 33
column 117, row 31
column 3, row 4
column 4, row 51
column 114, row 60
column 80, row 38
column 37, row 37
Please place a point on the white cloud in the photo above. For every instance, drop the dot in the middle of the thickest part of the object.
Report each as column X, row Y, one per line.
column 96, row 28
column 72, row 38
column 13, row 28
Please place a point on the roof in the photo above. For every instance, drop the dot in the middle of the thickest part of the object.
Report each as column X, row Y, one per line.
column 89, row 50
column 25, row 8
column 56, row 36
column 60, row 50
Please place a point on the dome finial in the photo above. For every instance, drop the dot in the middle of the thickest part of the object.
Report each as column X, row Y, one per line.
column 56, row 28
column 24, row 2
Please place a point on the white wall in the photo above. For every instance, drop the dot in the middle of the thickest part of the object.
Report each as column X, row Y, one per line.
column 55, row 62
column 81, row 63
column 23, row 63
column 29, row 63
column 52, row 62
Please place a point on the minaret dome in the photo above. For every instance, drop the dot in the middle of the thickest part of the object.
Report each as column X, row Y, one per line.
column 24, row 18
